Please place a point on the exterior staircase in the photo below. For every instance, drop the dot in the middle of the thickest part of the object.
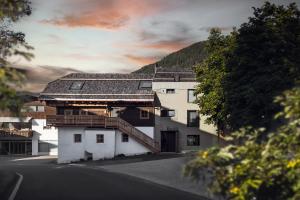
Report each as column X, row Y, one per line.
column 127, row 128
column 106, row 122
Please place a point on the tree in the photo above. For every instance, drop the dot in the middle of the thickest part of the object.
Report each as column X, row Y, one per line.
column 246, row 70
column 211, row 75
column 10, row 44
column 256, row 169
column 265, row 62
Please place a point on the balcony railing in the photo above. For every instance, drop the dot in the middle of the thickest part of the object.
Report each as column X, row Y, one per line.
column 76, row 120
column 5, row 132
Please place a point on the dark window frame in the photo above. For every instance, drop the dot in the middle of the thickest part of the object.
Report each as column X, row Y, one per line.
column 188, row 96
column 196, row 141
column 193, row 124
column 143, row 112
column 125, row 137
column 100, row 138
column 166, row 113
column 77, row 138
column 170, row 91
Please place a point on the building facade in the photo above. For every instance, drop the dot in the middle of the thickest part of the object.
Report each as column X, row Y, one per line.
column 95, row 116
column 28, row 134
column 102, row 115
column 178, row 125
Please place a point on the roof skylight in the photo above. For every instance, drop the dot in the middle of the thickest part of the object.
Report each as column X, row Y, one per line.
column 145, row 84
column 77, row 85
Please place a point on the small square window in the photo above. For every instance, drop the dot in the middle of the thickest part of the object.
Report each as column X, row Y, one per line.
column 125, row 137
column 77, row 85
column 144, row 114
column 193, row 140
column 40, row 109
column 75, row 112
column 167, row 113
column 170, row 91
column 77, row 138
column 68, row 112
column 100, row 138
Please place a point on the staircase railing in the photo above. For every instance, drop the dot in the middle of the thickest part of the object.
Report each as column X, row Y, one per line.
column 127, row 128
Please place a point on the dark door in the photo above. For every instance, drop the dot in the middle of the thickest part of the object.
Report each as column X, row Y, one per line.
column 168, row 141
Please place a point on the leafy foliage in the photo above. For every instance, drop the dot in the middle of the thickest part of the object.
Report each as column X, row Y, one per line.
column 247, row 78
column 211, row 74
column 183, row 59
column 246, row 70
column 265, row 62
column 10, row 44
column 254, row 168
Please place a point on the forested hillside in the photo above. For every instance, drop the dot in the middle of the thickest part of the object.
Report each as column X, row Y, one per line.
column 184, row 58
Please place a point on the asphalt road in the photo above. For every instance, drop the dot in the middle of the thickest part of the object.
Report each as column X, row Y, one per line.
column 43, row 181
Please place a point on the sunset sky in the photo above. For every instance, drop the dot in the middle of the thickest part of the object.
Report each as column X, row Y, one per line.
column 123, row 35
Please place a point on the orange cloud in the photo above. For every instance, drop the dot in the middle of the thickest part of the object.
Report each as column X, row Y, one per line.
column 111, row 15
column 167, row 45
column 142, row 59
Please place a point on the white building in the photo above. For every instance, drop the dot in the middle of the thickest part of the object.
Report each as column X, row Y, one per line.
column 97, row 116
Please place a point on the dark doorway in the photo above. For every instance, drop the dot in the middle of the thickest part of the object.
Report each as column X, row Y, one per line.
column 168, row 141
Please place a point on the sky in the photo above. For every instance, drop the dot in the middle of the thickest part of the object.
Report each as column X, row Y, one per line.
column 123, row 35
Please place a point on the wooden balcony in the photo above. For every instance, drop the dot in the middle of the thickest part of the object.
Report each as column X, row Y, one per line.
column 105, row 122
column 76, row 120
column 5, row 132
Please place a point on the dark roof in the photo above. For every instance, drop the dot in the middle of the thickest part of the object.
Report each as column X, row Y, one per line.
column 106, row 76
column 100, row 87
column 175, row 77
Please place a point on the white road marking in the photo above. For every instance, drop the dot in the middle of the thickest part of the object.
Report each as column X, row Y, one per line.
column 17, row 186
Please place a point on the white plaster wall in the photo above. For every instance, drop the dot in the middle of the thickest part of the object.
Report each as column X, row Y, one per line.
column 148, row 130
column 44, row 135
column 131, row 147
column 68, row 150
column 179, row 102
column 100, row 150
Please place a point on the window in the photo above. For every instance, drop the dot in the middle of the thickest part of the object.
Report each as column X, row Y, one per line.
column 191, row 96
column 170, row 91
column 192, row 118
column 193, row 140
column 125, row 138
column 68, row 112
column 77, row 85
column 144, row 114
column 40, row 109
column 83, row 112
column 100, row 138
column 36, row 109
column 77, row 138
column 75, row 112
column 167, row 113
column 145, row 85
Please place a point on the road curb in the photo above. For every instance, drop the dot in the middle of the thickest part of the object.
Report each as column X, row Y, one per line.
column 17, row 186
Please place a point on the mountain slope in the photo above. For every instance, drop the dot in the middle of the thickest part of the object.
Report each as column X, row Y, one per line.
column 185, row 58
